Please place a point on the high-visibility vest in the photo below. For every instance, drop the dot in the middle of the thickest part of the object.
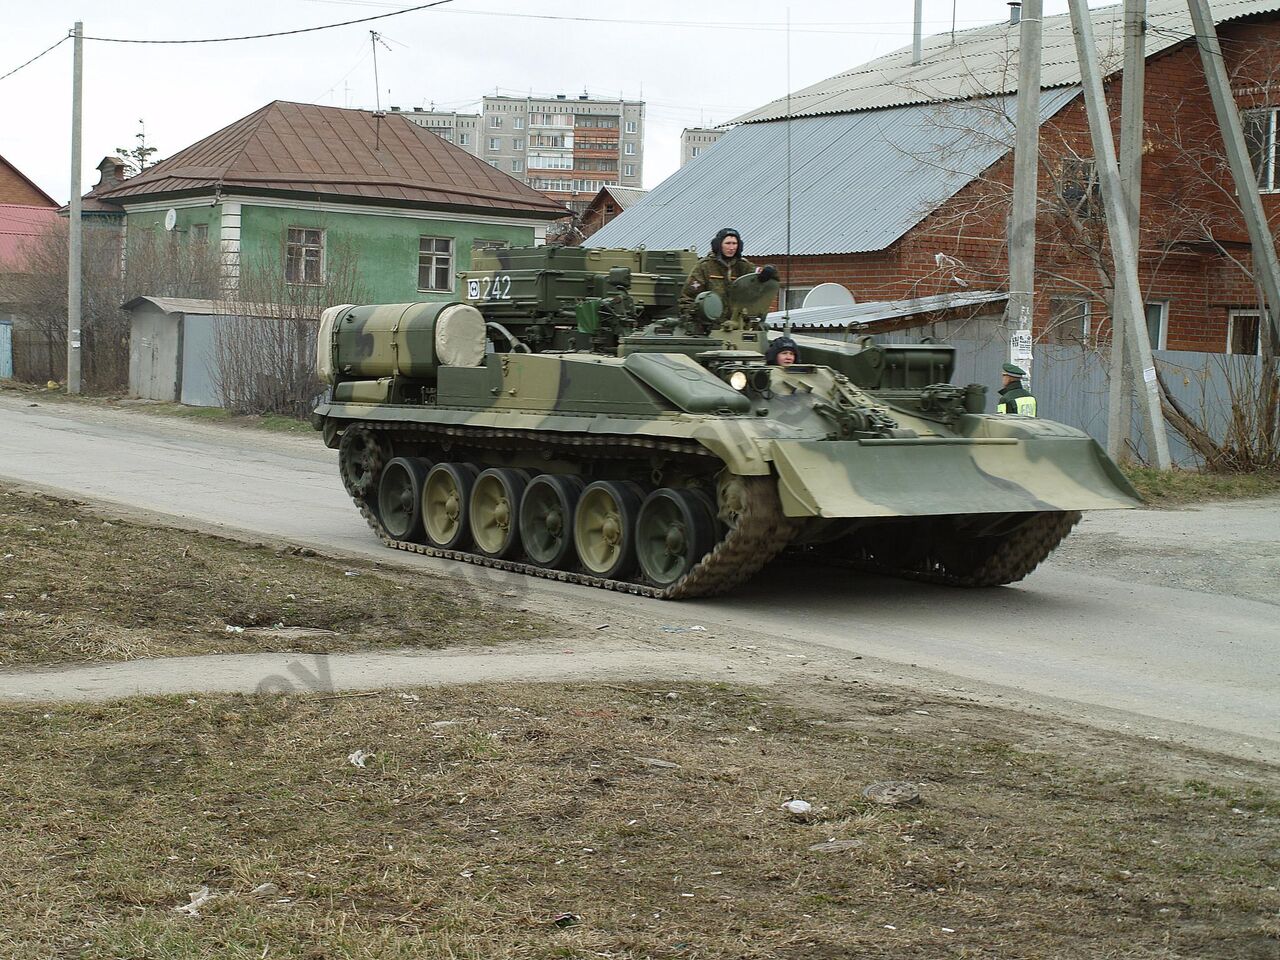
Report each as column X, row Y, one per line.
column 1026, row 406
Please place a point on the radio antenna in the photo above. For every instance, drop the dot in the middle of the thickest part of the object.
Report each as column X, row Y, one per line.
column 786, row 278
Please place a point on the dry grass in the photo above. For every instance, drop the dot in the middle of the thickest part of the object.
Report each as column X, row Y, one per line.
column 487, row 813
column 1169, row 488
column 77, row 587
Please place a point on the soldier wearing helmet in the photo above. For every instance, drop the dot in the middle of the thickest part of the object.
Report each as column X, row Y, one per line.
column 715, row 271
column 783, row 352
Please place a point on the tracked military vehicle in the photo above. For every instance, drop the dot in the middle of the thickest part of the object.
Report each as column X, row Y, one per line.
column 564, row 420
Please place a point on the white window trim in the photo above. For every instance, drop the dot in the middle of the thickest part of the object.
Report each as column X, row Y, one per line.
column 453, row 252
column 1164, row 322
column 1271, row 178
column 324, row 253
column 1231, row 322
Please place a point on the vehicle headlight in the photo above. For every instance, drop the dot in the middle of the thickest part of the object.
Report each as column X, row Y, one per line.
column 738, row 380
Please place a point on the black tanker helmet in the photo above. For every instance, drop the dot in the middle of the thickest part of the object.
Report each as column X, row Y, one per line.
column 719, row 238
column 777, row 346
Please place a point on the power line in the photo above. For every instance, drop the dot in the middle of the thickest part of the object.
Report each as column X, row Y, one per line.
column 278, row 33
column 36, row 57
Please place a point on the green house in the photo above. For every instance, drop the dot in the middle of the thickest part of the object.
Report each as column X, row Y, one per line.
column 295, row 186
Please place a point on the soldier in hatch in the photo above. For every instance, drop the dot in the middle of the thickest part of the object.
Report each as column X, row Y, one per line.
column 782, row 352
column 718, row 269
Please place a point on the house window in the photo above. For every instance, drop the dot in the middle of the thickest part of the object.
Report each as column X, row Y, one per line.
column 304, row 255
column 694, row 151
column 495, row 122
column 629, row 149
column 464, row 139
column 199, row 233
column 494, row 164
column 435, row 263
column 495, row 143
column 1243, row 328
column 1260, row 137
column 517, row 166
column 1068, row 321
column 517, row 123
column 628, row 169
column 631, row 126
column 517, row 144
column 1158, row 324
column 793, row 297
column 1078, row 187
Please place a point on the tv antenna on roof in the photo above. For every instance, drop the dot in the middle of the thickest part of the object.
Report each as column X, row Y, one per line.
column 375, row 38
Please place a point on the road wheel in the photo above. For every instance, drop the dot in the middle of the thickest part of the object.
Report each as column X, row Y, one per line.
column 546, row 519
column 446, row 495
column 400, row 497
column 495, row 505
column 604, row 528
column 674, row 530
column 361, row 457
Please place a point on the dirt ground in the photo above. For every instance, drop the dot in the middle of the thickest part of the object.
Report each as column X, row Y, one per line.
column 620, row 821
column 76, row 586
column 604, row 819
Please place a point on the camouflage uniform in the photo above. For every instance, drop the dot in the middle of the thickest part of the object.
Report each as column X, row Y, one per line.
column 714, row 273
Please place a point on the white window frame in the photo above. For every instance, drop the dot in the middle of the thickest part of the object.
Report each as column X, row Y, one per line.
column 517, row 144
column 629, row 149
column 305, row 245
column 1268, row 181
column 495, row 123
column 793, row 297
column 517, row 166
column 464, row 139
column 628, row 169
column 495, row 144
column 632, row 126
column 1163, row 339
column 1086, row 318
column 693, row 152
column 517, row 123
column 434, row 255
column 1231, row 323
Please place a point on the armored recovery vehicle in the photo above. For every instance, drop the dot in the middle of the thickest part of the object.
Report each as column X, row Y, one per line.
column 564, row 420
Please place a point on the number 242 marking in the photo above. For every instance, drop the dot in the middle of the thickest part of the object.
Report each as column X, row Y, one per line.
column 490, row 288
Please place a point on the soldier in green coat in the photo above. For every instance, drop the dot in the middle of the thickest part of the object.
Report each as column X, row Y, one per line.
column 717, row 270
column 1013, row 397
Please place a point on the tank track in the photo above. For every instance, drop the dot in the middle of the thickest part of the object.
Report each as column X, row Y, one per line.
column 1019, row 553
column 760, row 533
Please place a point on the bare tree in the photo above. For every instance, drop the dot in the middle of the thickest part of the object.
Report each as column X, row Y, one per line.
column 264, row 347
column 113, row 272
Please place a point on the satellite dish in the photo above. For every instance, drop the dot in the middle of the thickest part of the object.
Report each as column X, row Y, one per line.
column 171, row 219
column 828, row 295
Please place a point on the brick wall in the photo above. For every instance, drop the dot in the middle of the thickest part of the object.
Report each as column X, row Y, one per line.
column 1193, row 245
column 15, row 188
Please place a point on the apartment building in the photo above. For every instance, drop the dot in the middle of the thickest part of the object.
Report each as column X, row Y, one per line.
column 567, row 148
column 694, row 141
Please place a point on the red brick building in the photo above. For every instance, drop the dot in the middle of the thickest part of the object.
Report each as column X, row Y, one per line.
column 934, row 233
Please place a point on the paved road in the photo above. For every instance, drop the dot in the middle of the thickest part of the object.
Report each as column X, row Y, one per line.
column 1162, row 661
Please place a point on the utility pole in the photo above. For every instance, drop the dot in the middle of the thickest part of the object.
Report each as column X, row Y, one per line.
column 1265, row 268
column 916, row 46
column 1118, row 229
column 1026, row 162
column 1120, row 405
column 73, row 247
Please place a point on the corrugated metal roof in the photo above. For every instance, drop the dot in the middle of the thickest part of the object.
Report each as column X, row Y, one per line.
column 984, row 61
column 20, row 226
column 212, row 308
column 333, row 152
column 858, row 181
column 842, row 316
column 625, row 196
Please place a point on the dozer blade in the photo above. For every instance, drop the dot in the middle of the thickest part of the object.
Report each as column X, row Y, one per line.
column 934, row 476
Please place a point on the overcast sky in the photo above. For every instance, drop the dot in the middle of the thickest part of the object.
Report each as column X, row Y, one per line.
column 695, row 64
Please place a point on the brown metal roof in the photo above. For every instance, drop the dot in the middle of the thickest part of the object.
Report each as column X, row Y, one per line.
column 336, row 153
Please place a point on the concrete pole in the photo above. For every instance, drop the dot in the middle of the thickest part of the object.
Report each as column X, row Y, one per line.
column 1122, row 251
column 916, row 45
column 1120, row 405
column 1266, row 271
column 1026, row 164
column 73, row 247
